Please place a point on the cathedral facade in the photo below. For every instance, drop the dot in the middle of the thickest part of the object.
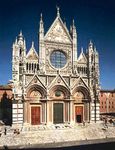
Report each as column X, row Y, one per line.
column 55, row 85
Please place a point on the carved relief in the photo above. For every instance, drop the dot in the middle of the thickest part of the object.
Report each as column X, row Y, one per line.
column 78, row 97
column 58, row 34
column 35, row 95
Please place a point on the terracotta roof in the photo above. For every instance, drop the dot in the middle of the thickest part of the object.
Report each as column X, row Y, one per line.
column 107, row 90
column 5, row 87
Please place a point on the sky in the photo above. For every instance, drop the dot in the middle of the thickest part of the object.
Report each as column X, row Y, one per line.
column 94, row 20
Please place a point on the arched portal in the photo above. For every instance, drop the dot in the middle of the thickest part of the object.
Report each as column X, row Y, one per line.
column 81, row 98
column 59, row 104
column 35, row 105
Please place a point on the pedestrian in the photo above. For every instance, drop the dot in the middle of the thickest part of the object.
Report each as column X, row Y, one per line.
column 5, row 131
column 83, row 123
column 106, row 123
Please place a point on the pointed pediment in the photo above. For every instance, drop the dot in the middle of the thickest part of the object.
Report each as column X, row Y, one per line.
column 32, row 54
column 79, row 82
column 82, row 58
column 36, row 80
column 59, row 80
column 58, row 32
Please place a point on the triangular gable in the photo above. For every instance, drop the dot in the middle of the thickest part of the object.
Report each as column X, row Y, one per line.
column 32, row 54
column 58, row 32
column 80, row 82
column 58, row 81
column 82, row 58
column 35, row 80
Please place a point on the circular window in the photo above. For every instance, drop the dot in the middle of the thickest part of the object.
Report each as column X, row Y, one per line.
column 58, row 93
column 58, row 59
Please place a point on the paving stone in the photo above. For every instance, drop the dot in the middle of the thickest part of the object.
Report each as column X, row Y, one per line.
column 55, row 133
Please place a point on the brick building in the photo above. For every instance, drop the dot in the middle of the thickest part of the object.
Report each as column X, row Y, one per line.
column 107, row 101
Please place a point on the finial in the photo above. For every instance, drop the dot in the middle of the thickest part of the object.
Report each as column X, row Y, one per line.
column 95, row 50
column 58, row 13
column 32, row 44
column 41, row 16
column 81, row 49
column 73, row 23
column 24, row 42
column 90, row 42
column 16, row 40
column 20, row 34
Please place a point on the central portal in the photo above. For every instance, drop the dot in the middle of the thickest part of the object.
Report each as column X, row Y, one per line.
column 58, row 113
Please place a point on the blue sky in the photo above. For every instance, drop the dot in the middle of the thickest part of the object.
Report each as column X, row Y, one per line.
column 94, row 19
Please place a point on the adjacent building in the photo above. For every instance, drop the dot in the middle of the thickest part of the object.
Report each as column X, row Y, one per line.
column 107, row 101
column 53, row 84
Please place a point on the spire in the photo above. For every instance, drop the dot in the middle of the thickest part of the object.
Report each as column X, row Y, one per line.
column 73, row 23
column 41, row 20
column 24, row 43
column 95, row 49
column 81, row 49
column 16, row 41
column 32, row 45
column 20, row 36
column 90, row 45
column 58, row 13
column 74, row 38
column 41, row 28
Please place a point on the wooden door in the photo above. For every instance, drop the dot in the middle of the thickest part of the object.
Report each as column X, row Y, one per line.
column 58, row 113
column 79, row 114
column 35, row 115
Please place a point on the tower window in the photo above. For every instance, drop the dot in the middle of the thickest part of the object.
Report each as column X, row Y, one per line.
column 20, row 51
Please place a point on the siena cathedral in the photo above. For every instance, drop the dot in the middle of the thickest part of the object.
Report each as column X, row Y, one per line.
column 54, row 85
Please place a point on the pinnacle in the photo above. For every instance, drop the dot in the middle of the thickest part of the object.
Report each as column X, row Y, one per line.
column 58, row 13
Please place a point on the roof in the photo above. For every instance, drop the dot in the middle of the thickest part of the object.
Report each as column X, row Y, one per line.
column 5, row 87
column 107, row 90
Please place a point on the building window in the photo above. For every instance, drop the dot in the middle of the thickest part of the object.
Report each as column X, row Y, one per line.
column 58, row 59
column 20, row 52
column 101, row 94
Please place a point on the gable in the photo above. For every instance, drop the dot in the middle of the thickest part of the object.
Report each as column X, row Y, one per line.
column 36, row 80
column 58, row 33
column 58, row 80
column 82, row 58
column 32, row 55
column 79, row 82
